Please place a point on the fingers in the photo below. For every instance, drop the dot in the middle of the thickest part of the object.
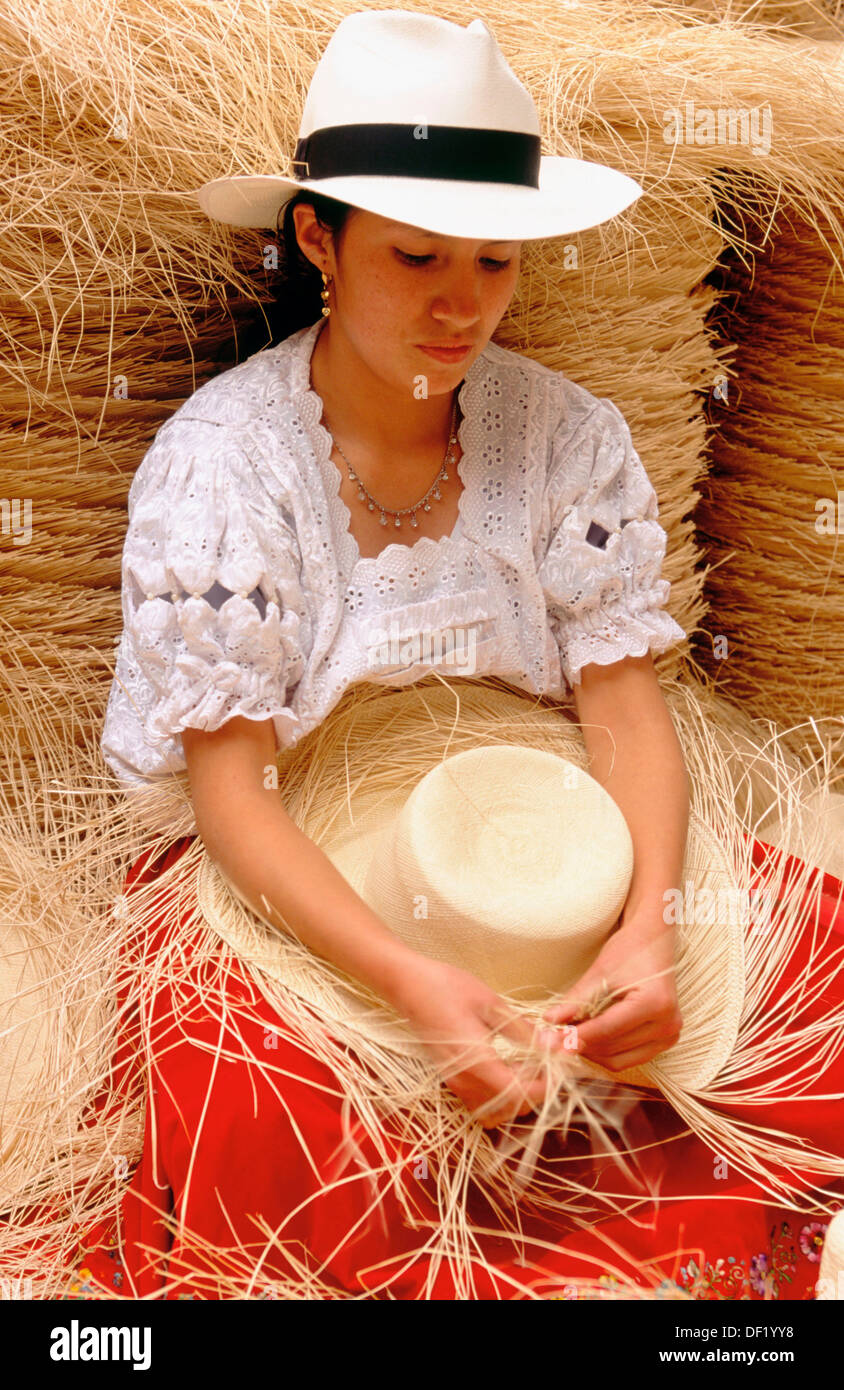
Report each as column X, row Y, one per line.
column 593, row 993
column 629, row 1021
column 666, row 1032
column 530, row 1033
column 634, row 1057
column 493, row 1090
column 505, row 1093
column 495, row 1093
column 626, row 1034
column 640, row 1045
column 513, row 1026
column 563, row 1011
column 623, row 1017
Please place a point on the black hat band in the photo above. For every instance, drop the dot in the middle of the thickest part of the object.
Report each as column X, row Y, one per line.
column 469, row 153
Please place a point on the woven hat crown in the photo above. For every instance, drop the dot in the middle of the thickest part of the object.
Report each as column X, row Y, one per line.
column 512, row 863
column 389, row 65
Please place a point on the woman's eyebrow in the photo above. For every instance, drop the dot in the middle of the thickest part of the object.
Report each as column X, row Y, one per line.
column 422, row 231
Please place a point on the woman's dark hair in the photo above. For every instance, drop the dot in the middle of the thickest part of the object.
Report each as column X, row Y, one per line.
column 297, row 286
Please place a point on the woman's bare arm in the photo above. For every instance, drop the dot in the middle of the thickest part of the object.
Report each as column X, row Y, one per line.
column 635, row 754
column 249, row 834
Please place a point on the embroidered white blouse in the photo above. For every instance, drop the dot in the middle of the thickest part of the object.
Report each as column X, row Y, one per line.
column 244, row 592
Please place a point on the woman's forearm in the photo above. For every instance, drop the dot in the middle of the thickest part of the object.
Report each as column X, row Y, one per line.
column 636, row 755
column 257, row 845
column 649, row 783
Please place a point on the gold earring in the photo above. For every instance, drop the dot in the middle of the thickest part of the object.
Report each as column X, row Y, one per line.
column 324, row 294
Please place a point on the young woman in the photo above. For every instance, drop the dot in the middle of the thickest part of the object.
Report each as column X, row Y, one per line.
column 386, row 458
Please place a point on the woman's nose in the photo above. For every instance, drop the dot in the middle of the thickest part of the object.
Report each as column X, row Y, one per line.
column 459, row 301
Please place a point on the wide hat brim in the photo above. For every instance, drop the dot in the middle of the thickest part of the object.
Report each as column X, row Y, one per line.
column 710, row 956
column 573, row 194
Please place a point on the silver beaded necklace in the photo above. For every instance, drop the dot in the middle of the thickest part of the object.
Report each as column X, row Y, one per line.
column 433, row 491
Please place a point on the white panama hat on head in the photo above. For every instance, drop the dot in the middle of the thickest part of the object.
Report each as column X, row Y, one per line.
column 422, row 121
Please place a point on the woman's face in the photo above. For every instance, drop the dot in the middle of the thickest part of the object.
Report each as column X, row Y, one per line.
column 396, row 287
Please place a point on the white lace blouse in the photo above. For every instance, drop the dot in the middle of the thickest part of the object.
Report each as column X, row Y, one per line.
column 244, row 592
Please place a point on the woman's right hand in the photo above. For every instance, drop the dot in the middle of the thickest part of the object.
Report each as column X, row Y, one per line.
column 455, row 1015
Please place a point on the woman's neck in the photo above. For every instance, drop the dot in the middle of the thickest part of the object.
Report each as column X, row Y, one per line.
column 384, row 421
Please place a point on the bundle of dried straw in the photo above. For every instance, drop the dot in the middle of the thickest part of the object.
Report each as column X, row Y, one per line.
column 773, row 511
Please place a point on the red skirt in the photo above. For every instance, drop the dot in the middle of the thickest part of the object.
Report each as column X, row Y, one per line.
column 229, row 1176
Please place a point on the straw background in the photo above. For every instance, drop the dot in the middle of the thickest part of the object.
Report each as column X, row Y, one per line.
column 777, row 583
column 118, row 299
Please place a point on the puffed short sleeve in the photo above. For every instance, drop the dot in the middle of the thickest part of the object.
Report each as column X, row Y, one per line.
column 602, row 572
column 215, row 622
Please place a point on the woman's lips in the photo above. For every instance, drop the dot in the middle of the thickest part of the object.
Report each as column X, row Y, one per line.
column 445, row 354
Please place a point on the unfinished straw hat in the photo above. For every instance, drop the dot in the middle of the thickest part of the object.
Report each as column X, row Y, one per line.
column 417, row 119
column 513, row 863
column 379, row 787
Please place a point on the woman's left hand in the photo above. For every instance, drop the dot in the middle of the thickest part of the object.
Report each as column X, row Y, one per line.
column 636, row 965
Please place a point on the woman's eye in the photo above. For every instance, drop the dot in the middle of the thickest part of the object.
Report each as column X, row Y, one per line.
column 420, row 260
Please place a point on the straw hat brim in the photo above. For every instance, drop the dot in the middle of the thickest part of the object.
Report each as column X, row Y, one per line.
column 821, row 827
column 710, row 955
column 573, row 194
